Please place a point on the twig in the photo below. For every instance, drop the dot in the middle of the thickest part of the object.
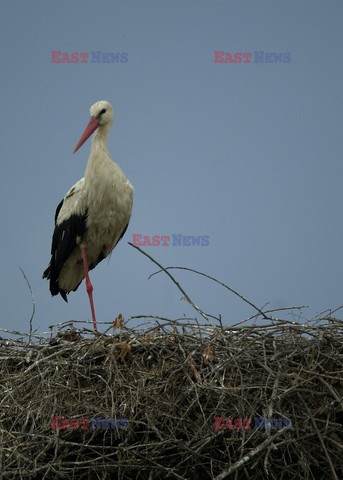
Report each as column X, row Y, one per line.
column 33, row 302
column 332, row 468
column 217, row 281
column 251, row 454
column 203, row 314
column 333, row 392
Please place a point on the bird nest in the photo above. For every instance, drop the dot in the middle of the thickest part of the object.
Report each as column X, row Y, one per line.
column 175, row 400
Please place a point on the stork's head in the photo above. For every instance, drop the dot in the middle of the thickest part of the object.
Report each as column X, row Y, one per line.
column 101, row 117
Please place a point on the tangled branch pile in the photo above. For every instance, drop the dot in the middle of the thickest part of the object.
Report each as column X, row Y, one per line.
column 171, row 383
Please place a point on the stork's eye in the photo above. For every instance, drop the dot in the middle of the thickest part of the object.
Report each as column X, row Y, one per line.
column 102, row 111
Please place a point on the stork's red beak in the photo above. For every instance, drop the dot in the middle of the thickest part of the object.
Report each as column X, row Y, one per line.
column 91, row 127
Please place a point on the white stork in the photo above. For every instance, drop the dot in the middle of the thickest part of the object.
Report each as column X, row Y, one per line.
column 94, row 214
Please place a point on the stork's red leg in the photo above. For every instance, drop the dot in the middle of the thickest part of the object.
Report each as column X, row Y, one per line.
column 89, row 286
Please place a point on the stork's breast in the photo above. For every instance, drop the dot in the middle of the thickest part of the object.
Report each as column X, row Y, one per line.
column 109, row 213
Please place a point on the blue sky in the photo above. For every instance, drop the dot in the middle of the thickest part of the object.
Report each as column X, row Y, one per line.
column 247, row 154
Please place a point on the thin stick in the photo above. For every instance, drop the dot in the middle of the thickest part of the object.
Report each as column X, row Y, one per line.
column 252, row 453
column 33, row 302
column 217, row 281
column 203, row 314
column 332, row 468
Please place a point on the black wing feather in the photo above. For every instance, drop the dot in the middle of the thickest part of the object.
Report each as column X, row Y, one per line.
column 64, row 240
column 59, row 206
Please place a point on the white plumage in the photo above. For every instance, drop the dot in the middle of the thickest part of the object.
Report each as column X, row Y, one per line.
column 95, row 212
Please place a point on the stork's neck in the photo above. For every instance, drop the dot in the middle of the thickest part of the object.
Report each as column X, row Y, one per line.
column 99, row 154
column 100, row 138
